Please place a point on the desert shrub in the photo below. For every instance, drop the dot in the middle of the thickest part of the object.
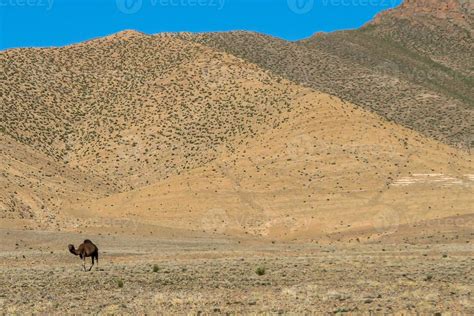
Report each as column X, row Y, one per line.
column 260, row 271
column 120, row 283
column 156, row 268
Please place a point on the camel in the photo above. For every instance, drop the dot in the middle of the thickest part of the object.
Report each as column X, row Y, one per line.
column 86, row 249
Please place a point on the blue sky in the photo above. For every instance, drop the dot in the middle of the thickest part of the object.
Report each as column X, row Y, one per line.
column 38, row 23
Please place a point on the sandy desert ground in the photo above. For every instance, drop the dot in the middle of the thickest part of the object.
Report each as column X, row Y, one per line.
column 403, row 273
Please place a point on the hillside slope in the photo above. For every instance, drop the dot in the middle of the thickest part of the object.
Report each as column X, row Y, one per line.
column 133, row 108
column 34, row 187
column 128, row 110
column 330, row 170
column 169, row 134
column 412, row 65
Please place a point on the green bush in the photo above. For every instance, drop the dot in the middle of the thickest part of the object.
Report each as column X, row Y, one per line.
column 120, row 283
column 260, row 271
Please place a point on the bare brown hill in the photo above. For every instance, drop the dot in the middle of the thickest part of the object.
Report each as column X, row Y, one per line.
column 413, row 65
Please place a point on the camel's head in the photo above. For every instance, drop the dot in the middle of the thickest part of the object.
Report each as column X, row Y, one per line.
column 71, row 249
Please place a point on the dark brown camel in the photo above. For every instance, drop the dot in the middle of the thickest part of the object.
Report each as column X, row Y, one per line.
column 86, row 249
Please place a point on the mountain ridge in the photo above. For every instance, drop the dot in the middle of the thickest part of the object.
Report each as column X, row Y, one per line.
column 421, row 77
column 458, row 11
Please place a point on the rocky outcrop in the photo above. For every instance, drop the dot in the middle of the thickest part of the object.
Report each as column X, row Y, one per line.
column 459, row 12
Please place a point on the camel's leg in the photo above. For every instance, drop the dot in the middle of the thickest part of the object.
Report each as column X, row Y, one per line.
column 84, row 263
column 92, row 263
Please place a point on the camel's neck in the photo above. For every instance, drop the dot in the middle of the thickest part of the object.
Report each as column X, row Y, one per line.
column 74, row 251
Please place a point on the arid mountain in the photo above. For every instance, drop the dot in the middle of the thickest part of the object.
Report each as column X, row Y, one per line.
column 129, row 110
column 330, row 169
column 412, row 65
column 117, row 106
column 176, row 135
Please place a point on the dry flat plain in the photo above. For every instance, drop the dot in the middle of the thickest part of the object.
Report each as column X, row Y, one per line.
column 406, row 272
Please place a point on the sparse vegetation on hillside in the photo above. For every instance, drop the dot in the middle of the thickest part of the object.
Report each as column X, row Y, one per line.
column 118, row 105
column 414, row 70
column 163, row 130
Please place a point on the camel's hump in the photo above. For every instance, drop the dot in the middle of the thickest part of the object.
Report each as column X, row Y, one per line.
column 87, row 241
